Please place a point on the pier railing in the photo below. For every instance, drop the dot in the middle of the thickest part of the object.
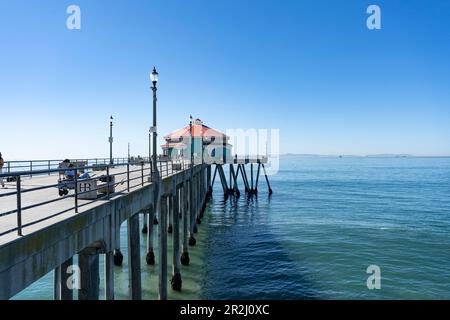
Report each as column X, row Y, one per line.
column 116, row 179
column 35, row 166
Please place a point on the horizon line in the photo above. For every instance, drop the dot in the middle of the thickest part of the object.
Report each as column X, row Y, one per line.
column 380, row 155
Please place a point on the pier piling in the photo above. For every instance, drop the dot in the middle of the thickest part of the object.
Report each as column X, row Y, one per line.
column 193, row 227
column 150, row 257
column 109, row 275
column 176, row 274
column 162, row 249
column 88, row 263
column 184, row 213
column 267, row 179
column 62, row 289
column 208, row 180
column 57, row 283
column 145, row 223
column 134, row 260
column 170, row 217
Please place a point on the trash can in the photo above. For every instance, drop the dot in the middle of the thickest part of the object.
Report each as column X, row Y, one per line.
column 87, row 190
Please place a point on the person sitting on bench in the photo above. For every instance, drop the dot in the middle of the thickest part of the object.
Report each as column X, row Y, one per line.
column 69, row 174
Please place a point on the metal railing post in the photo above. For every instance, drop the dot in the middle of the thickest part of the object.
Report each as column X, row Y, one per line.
column 19, row 206
column 107, row 182
column 76, row 190
column 142, row 172
column 49, row 167
column 31, row 169
column 128, row 177
column 151, row 169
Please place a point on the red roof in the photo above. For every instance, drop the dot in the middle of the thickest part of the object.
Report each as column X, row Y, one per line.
column 198, row 130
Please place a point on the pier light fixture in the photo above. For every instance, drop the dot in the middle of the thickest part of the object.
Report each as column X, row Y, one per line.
column 191, row 141
column 154, row 76
column 111, row 161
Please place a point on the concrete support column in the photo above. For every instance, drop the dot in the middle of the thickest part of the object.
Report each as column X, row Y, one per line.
column 176, row 274
column 205, row 183
column 184, row 213
column 57, row 283
column 197, row 199
column 88, row 262
column 66, row 289
column 201, row 181
column 194, row 204
column 205, row 171
column 109, row 275
column 162, row 270
column 145, row 223
column 170, row 215
column 192, row 226
column 150, row 258
column 134, row 259
column 203, row 192
column 118, row 256
column 208, row 178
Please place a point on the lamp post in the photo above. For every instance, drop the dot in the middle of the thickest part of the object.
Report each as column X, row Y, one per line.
column 110, row 140
column 192, row 143
column 150, row 147
column 154, row 77
column 192, row 240
column 203, row 147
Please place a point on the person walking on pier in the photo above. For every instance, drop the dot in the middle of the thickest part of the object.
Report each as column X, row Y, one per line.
column 2, row 162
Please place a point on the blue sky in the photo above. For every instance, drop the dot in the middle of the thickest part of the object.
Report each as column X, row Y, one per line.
column 309, row 68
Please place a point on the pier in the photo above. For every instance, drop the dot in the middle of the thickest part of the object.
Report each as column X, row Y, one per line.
column 42, row 229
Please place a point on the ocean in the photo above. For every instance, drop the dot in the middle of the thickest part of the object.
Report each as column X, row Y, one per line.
column 328, row 220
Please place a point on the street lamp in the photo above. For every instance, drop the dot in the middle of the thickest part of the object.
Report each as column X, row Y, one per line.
column 150, row 257
column 192, row 240
column 203, row 147
column 110, row 140
column 150, row 147
column 154, row 77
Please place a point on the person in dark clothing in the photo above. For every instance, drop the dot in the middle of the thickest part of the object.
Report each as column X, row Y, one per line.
column 2, row 163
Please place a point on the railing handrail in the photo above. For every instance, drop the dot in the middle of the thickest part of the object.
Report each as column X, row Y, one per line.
column 61, row 160
column 164, row 167
column 39, row 172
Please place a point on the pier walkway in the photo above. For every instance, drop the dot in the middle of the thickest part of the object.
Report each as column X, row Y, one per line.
column 41, row 230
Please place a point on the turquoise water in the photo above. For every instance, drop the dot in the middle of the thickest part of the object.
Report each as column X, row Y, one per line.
column 328, row 220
